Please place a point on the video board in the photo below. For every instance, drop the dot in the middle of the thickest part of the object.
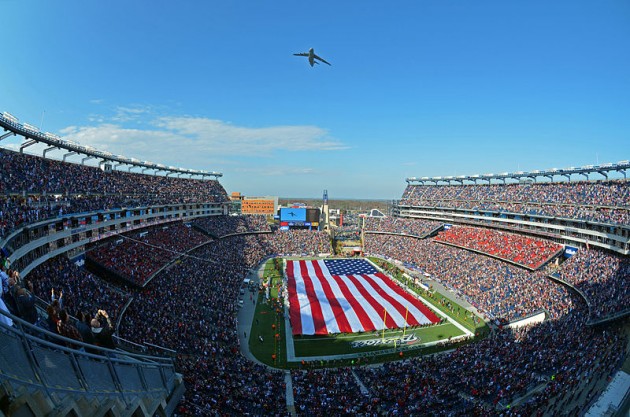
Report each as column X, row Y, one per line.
column 292, row 215
column 312, row 215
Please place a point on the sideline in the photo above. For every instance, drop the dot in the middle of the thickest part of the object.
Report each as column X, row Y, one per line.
column 246, row 313
column 434, row 308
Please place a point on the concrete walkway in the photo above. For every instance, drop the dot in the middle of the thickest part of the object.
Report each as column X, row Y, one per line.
column 245, row 318
column 362, row 387
column 246, row 312
column 289, row 393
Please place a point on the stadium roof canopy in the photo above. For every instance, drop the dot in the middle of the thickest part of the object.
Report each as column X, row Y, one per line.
column 602, row 169
column 32, row 135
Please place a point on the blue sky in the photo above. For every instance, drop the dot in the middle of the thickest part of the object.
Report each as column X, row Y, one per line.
column 416, row 88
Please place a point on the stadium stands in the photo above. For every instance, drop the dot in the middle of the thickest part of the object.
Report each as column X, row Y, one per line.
column 522, row 250
column 34, row 189
column 504, row 292
column 82, row 291
column 330, row 392
column 136, row 256
column 228, row 225
column 603, row 278
column 397, row 225
column 190, row 306
column 601, row 201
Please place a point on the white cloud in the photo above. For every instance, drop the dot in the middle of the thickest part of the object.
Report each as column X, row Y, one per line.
column 129, row 113
column 222, row 137
column 199, row 138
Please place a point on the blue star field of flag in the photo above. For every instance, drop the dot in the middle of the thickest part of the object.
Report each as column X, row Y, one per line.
column 349, row 266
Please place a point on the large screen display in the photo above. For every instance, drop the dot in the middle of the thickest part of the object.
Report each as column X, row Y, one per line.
column 312, row 215
column 292, row 214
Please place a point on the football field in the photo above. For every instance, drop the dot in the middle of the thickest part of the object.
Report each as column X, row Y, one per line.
column 275, row 341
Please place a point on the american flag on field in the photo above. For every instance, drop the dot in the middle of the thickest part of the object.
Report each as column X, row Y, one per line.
column 348, row 296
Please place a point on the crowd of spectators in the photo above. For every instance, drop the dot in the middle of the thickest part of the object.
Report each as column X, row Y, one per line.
column 72, row 290
column 484, row 378
column 603, row 278
column 280, row 242
column 399, row 225
column 191, row 307
column 535, row 370
column 137, row 255
column 600, row 201
column 329, row 392
column 299, row 242
column 219, row 226
column 79, row 290
column 523, row 250
column 34, row 188
column 504, row 292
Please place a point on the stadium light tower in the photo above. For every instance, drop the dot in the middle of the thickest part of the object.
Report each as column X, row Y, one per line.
column 326, row 211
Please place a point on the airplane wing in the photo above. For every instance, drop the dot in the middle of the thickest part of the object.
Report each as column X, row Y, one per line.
column 321, row 59
column 302, row 54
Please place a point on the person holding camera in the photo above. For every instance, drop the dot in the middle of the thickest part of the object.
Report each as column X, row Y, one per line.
column 103, row 330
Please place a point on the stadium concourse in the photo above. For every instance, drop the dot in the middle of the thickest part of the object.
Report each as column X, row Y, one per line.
column 178, row 287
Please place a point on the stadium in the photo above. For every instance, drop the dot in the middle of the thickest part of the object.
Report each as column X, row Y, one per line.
column 215, row 314
column 168, row 247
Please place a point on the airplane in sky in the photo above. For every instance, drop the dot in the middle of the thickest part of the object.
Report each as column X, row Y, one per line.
column 312, row 57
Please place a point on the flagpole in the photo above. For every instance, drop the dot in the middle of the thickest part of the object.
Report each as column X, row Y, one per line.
column 406, row 315
column 384, row 325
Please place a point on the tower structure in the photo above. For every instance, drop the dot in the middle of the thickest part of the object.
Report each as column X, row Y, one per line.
column 326, row 211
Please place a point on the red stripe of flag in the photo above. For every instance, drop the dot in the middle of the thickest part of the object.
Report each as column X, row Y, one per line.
column 366, row 323
column 395, row 303
column 340, row 316
column 429, row 314
column 294, row 311
column 389, row 322
column 316, row 309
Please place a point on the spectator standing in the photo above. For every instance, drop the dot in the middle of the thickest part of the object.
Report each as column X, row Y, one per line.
column 103, row 330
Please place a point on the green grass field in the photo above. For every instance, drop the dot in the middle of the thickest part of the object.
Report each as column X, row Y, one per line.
column 341, row 344
column 269, row 321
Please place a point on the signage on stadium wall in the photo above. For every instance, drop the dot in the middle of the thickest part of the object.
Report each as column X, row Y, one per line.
column 534, row 318
column 569, row 251
column 447, row 226
column 406, row 340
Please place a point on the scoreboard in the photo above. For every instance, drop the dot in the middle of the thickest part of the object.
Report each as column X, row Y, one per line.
column 299, row 218
column 292, row 214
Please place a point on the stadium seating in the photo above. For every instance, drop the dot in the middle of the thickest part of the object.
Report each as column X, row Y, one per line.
column 397, row 225
column 523, row 250
column 191, row 307
column 227, row 225
column 34, row 189
column 601, row 201
column 504, row 292
column 603, row 278
column 136, row 256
